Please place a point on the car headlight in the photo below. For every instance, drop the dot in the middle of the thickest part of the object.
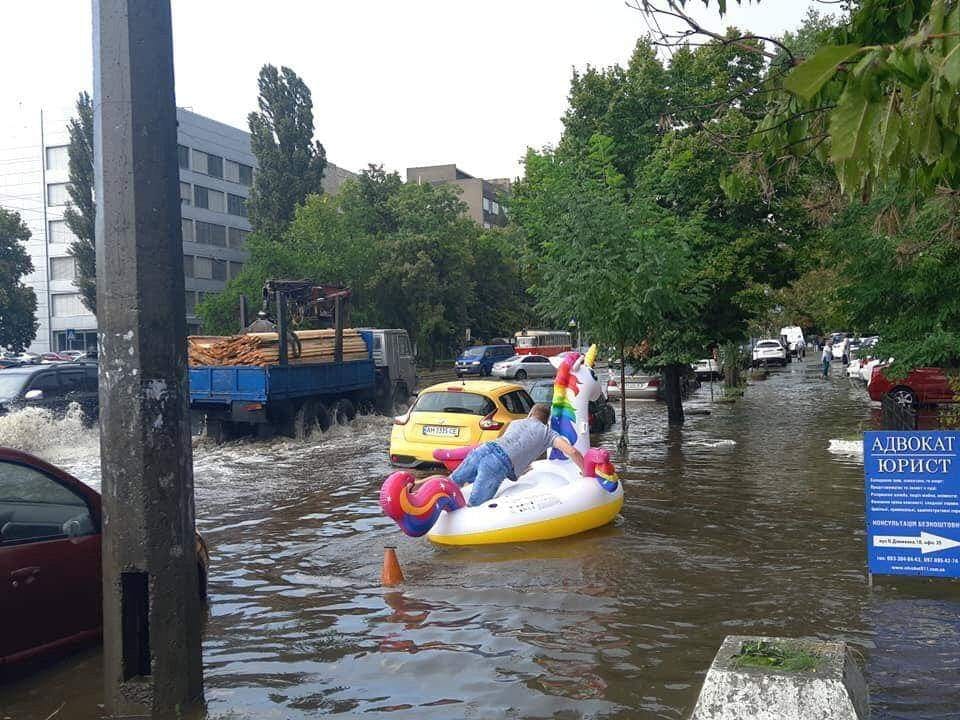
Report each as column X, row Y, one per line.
column 475, row 362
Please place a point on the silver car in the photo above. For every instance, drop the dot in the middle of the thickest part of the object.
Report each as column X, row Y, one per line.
column 524, row 366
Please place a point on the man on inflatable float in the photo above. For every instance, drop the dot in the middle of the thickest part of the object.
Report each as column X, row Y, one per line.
column 553, row 498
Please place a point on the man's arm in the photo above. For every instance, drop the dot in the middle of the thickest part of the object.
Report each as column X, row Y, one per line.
column 564, row 446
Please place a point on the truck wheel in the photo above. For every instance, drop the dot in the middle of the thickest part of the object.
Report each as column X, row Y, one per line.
column 343, row 411
column 309, row 415
column 218, row 431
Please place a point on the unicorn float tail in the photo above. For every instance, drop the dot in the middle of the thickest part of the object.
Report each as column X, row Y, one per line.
column 415, row 512
column 596, row 464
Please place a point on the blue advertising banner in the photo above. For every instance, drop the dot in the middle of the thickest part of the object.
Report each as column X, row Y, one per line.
column 913, row 502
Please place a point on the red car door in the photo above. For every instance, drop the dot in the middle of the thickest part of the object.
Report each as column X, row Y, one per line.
column 931, row 385
column 49, row 558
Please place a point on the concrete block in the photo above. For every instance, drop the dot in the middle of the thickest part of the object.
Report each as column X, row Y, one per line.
column 834, row 690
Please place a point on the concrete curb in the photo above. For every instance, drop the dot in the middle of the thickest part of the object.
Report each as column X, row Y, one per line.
column 835, row 690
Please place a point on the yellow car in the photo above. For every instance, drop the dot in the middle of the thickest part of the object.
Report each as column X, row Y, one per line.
column 454, row 414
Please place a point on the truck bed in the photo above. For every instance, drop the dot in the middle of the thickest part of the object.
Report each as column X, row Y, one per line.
column 222, row 385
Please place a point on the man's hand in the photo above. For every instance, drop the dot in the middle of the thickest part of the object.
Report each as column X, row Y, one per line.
column 564, row 446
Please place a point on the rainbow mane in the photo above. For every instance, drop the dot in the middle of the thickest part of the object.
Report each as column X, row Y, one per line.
column 563, row 416
column 417, row 512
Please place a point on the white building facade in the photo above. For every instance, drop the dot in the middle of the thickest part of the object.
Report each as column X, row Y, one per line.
column 216, row 173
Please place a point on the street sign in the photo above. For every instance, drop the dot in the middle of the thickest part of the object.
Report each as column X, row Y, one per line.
column 71, row 335
column 913, row 502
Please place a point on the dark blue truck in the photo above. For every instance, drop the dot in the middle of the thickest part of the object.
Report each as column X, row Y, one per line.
column 291, row 398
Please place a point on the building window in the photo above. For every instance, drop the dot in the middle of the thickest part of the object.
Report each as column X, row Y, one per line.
column 57, row 194
column 237, row 237
column 203, row 268
column 68, row 305
column 191, row 302
column 486, row 205
column 183, row 157
column 58, row 158
column 199, row 162
column 211, row 234
column 215, row 166
column 185, row 194
column 231, row 171
column 494, row 207
column 63, row 268
column 235, row 269
column 236, row 205
column 186, row 226
column 220, row 270
column 208, row 199
column 58, row 232
column 188, row 266
column 246, row 175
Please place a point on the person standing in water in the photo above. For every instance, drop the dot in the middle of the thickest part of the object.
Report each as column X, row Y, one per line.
column 825, row 357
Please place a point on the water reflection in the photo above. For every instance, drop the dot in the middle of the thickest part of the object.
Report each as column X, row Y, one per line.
column 740, row 522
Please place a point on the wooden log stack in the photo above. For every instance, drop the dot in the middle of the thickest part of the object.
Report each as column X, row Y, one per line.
column 263, row 349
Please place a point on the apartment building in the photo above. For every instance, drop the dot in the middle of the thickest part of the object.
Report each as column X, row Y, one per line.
column 483, row 197
column 216, row 173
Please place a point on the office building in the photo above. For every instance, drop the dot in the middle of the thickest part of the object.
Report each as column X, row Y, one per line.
column 216, row 173
column 483, row 197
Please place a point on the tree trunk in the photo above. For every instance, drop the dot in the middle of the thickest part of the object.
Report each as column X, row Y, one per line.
column 674, row 394
column 623, row 401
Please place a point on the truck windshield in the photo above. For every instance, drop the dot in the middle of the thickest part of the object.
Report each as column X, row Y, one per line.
column 455, row 402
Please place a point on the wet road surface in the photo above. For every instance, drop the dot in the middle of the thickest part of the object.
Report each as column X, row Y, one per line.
column 742, row 522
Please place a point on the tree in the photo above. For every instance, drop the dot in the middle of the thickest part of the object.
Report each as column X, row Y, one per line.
column 81, row 211
column 18, row 303
column 290, row 164
column 621, row 267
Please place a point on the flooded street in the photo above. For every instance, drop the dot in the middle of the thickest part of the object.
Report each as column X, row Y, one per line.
column 741, row 523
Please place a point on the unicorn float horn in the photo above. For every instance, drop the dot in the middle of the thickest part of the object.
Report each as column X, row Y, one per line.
column 415, row 512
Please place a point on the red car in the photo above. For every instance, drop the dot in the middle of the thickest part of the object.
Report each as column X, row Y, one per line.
column 50, row 594
column 922, row 386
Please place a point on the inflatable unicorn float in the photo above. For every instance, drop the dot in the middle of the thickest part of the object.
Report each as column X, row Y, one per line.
column 551, row 499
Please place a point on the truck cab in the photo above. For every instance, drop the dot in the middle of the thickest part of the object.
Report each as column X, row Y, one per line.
column 396, row 366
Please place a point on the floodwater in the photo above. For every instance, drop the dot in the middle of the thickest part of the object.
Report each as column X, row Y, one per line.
column 742, row 522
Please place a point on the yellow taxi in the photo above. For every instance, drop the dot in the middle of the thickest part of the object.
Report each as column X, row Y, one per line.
column 454, row 414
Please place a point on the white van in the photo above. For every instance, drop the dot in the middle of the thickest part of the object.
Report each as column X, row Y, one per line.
column 795, row 342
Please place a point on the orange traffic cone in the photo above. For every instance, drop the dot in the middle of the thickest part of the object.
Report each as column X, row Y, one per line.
column 392, row 574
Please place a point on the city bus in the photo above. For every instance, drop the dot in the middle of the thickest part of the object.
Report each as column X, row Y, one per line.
column 542, row 342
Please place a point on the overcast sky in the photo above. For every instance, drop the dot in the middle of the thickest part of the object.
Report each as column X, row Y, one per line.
column 410, row 83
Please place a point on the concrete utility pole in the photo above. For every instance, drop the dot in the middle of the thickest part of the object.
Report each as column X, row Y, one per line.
column 151, row 605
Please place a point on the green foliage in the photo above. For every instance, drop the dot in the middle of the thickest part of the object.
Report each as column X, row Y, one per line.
column 290, row 165
column 765, row 654
column 891, row 91
column 18, row 303
column 411, row 257
column 81, row 211
column 621, row 268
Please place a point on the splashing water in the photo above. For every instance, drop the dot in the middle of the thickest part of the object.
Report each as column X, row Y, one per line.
column 59, row 439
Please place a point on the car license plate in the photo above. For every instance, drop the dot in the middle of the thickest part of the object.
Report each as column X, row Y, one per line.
column 440, row 431
column 636, row 386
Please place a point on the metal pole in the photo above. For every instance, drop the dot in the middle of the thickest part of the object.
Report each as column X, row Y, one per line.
column 151, row 603
column 338, row 329
column 243, row 312
column 282, row 327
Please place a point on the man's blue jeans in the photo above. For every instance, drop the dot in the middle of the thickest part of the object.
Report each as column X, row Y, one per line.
column 485, row 467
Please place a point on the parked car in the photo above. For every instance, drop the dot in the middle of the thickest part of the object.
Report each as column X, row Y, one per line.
column 524, row 366
column 479, row 359
column 796, row 344
column 52, row 387
column 25, row 358
column 52, row 357
column 769, row 352
column 602, row 414
column 921, row 386
column 867, row 367
column 637, row 385
column 9, row 363
column 72, row 354
column 50, row 560
column 455, row 414
column 708, row 369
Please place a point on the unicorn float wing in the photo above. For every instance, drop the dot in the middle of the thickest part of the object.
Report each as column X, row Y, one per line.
column 551, row 499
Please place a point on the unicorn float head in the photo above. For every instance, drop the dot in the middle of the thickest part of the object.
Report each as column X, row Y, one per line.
column 574, row 388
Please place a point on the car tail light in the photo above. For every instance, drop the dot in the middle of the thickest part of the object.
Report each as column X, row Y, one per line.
column 488, row 423
column 654, row 382
column 611, row 383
